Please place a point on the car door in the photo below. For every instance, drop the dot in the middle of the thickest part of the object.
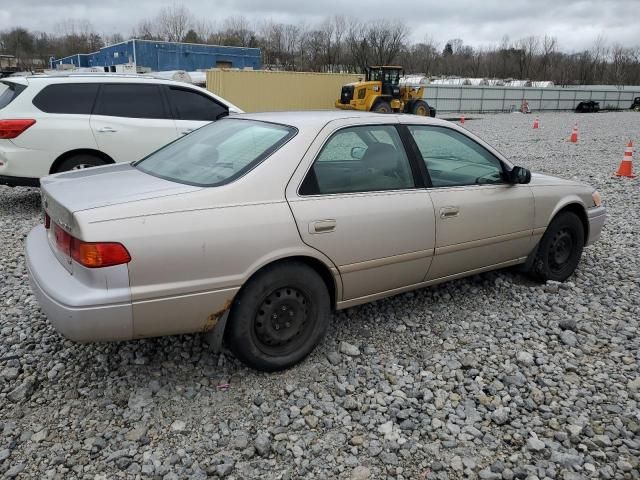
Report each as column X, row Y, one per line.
column 481, row 220
column 131, row 120
column 193, row 109
column 359, row 205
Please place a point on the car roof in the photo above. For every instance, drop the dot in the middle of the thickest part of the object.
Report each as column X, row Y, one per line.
column 319, row 118
column 95, row 77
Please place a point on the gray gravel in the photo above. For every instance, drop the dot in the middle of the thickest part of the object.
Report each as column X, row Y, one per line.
column 491, row 377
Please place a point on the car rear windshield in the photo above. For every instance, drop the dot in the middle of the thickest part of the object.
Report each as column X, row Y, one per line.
column 8, row 92
column 217, row 153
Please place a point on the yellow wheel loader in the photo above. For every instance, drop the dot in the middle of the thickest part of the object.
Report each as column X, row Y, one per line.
column 383, row 92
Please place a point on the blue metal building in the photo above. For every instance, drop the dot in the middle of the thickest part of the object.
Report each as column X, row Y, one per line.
column 161, row 56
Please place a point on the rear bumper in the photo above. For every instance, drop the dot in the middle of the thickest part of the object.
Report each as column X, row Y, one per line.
column 24, row 164
column 596, row 217
column 19, row 181
column 81, row 311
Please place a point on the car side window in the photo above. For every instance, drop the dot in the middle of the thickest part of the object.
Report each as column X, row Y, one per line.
column 132, row 100
column 190, row 105
column 453, row 159
column 360, row 159
column 67, row 98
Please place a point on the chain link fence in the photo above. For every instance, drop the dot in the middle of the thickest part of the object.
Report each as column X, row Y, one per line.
column 479, row 99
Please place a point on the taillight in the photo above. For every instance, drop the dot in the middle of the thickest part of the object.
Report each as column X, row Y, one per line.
column 91, row 254
column 13, row 128
column 47, row 221
column 63, row 239
column 99, row 254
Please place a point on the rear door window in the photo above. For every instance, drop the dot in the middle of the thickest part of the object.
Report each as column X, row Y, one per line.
column 131, row 100
column 8, row 92
column 191, row 105
column 67, row 98
column 360, row 159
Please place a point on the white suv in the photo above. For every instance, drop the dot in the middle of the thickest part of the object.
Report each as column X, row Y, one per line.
column 54, row 123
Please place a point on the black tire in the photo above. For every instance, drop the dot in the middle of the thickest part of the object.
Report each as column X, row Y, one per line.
column 80, row 161
column 382, row 106
column 282, row 298
column 560, row 249
column 420, row 108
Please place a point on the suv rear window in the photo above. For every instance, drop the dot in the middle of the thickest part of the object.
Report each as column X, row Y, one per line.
column 217, row 153
column 132, row 100
column 67, row 98
column 8, row 92
column 190, row 105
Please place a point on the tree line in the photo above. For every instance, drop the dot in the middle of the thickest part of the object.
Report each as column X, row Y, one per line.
column 341, row 44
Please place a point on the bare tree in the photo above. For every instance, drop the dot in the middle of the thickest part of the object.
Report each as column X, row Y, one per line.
column 174, row 22
column 237, row 31
column 146, row 30
column 549, row 45
column 386, row 38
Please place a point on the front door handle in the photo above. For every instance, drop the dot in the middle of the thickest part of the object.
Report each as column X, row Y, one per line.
column 449, row 212
column 322, row 226
column 187, row 131
column 107, row 130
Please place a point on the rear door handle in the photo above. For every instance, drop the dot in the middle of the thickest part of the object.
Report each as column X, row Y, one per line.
column 187, row 131
column 322, row 226
column 107, row 130
column 449, row 212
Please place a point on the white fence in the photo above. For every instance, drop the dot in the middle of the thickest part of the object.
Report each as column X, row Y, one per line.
column 456, row 98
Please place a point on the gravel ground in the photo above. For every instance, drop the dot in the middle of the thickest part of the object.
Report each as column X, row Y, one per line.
column 492, row 376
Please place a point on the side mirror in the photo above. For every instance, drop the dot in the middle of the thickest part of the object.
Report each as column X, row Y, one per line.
column 357, row 152
column 519, row 175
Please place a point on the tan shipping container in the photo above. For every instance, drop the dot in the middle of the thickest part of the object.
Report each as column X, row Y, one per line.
column 264, row 90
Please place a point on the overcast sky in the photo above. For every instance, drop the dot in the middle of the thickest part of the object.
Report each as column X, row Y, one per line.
column 575, row 23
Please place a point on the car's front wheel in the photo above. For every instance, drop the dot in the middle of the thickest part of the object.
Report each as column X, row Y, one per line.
column 560, row 249
column 279, row 316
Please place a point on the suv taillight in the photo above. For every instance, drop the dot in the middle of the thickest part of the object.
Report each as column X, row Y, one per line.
column 90, row 254
column 12, row 128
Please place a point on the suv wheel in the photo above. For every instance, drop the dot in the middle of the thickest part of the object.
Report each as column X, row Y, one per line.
column 279, row 317
column 80, row 161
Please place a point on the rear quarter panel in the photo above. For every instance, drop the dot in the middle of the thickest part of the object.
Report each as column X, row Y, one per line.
column 191, row 253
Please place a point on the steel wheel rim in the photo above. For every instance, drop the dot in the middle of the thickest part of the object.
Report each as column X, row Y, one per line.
column 283, row 321
column 561, row 250
column 422, row 111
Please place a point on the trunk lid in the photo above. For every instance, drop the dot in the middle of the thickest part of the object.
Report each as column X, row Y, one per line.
column 103, row 186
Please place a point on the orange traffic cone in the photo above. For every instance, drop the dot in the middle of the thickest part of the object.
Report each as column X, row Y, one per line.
column 626, row 166
column 535, row 123
column 574, row 134
column 462, row 119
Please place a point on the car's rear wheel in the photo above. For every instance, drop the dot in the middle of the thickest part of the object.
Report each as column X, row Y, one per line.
column 382, row 106
column 560, row 249
column 279, row 316
column 79, row 162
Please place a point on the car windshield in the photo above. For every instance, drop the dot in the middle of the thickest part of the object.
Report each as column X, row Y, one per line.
column 217, row 153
